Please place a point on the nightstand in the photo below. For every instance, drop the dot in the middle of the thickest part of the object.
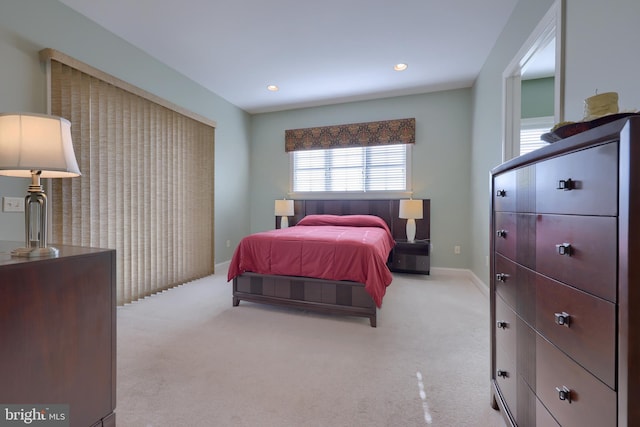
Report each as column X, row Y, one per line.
column 410, row 257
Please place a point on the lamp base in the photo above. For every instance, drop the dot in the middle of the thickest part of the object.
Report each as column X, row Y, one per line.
column 48, row 252
column 411, row 230
column 284, row 222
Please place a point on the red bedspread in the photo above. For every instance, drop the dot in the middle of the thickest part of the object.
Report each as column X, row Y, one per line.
column 349, row 247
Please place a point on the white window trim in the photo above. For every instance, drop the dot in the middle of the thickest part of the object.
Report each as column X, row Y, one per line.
column 549, row 28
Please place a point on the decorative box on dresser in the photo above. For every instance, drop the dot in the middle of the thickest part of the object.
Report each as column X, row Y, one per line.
column 58, row 332
column 565, row 281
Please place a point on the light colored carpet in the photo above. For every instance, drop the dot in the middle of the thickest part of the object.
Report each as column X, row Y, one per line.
column 186, row 357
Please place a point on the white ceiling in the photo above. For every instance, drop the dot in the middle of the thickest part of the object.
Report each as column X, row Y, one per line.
column 318, row 52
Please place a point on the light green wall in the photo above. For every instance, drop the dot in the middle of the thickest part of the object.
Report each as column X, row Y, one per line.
column 601, row 53
column 600, row 41
column 440, row 160
column 537, row 98
column 487, row 123
column 26, row 26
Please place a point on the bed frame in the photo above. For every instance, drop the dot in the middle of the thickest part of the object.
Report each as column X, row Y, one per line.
column 327, row 296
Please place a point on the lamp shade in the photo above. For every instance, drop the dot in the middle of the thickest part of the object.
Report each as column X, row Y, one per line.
column 36, row 142
column 283, row 207
column 411, row 209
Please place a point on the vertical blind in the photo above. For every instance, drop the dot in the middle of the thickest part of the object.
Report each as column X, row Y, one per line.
column 147, row 184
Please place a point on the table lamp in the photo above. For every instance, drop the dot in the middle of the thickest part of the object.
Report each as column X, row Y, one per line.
column 36, row 146
column 411, row 210
column 284, row 208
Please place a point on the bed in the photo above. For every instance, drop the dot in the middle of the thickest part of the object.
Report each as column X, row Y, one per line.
column 332, row 260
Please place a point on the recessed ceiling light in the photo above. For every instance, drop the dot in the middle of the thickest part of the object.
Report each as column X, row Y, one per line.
column 273, row 88
column 400, row 67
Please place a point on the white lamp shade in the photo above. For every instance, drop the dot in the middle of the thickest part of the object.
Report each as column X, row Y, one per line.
column 36, row 142
column 283, row 208
column 411, row 209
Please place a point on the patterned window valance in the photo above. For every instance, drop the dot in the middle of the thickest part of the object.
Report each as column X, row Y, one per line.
column 400, row 131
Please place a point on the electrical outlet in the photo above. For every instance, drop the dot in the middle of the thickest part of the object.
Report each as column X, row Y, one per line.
column 13, row 204
column 228, row 243
column 456, row 250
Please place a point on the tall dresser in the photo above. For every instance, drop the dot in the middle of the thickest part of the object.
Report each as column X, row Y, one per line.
column 565, row 281
column 58, row 333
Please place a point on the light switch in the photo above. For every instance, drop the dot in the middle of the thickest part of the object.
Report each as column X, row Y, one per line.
column 13, row 204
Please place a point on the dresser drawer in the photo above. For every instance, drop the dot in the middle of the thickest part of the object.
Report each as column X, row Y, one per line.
column 504, row 197
column 506, row 349
column 516, row 285
column 506, row 234
column 532, row 412
column 588, row 401
column 515, row 236
column 543, row 417
column 583, row 183
column 505, row 280
column 581, row 325
column 580, row 251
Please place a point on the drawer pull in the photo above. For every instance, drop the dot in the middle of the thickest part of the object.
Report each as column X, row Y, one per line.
column 501, row 193
column 563, row 319
column 501, row 277
column 564, row 249
column 564, row 393
column 502, row 233
column 501, row 324
column 502, row 374
column 565, row 185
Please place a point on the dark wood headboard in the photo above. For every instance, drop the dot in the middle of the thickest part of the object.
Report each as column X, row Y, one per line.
column 387, row 209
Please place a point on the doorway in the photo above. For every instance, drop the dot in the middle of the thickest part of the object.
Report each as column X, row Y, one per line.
column 535, row 70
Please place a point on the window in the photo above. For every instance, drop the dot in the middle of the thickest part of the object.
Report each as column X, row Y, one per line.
column 359, row 169
column 530, row 131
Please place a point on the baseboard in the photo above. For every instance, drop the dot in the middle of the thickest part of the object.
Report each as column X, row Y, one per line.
column 479, row 284
column 462, row 273
column 222, row 266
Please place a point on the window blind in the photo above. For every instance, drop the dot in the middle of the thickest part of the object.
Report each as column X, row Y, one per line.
column 362, row 169
column 530, row 131
column 146, row 188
